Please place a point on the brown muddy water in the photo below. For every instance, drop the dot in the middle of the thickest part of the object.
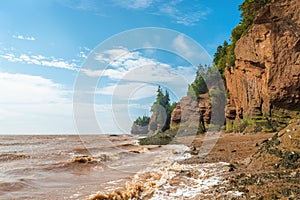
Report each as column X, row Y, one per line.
column 68, row 166
column 78, row 167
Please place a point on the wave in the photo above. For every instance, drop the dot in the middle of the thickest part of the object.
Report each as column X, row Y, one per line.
column 10, row 157
column 79, row 160
column 169, row 178
column 77, row 163
column 11, row 186
column 173, row 181
column 8, row 187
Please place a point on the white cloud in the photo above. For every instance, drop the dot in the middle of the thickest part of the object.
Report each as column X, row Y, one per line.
column 126, row 65
column 134, row 4
column 149, row 48
column 93, row 73
column 115, row 54
column 188, row 72
column 36, row 105
column 133, row 70
column 21, row 37
column 84, row 51
column 23, row 89
column 120, row 62
column 129, row 91
column 86, row 5
column 188, row 16
column 86, row 48
column 82, row 55
column 111, row 73
column 38, row 57
column 58, row 64
column 181, row 45
column 175, row 9
column 133, row 78
column 40, row 60
column 154, row 73
column 33, row 104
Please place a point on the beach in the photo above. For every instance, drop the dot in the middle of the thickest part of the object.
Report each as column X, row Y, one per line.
column 80, row 167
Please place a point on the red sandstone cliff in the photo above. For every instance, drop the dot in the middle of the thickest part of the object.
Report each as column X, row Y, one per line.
column 189, row 110
column 267, row 72
column 266, row 76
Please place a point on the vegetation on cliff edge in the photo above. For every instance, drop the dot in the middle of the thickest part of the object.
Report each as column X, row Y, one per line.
column 161, row 113
column 224, row 56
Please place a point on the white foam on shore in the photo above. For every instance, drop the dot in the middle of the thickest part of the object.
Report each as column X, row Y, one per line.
column 172, row 180
column 187, row 181
column 163, row 177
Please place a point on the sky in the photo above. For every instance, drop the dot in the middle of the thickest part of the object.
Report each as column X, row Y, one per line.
column 93, row 66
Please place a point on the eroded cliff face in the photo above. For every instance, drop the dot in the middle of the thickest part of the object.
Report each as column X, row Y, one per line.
column 267, row 72
column 138, row 129
column 189, row 110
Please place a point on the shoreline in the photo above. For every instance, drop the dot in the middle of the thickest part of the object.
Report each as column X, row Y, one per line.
column 248, row 169
column 206, row 173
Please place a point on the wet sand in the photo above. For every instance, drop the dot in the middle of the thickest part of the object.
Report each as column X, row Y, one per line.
column 194, row 177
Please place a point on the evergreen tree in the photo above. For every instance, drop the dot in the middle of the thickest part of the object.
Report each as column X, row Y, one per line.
column 198, row 86
column 162, row 109
column 142, row 121
column 220, row 56
column 225, row 56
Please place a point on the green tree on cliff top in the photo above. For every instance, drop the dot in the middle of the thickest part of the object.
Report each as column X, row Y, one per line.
column 198, row 86
column 225, row 56
column 162, row 108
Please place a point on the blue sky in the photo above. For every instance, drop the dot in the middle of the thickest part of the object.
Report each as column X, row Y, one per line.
column 45, row 44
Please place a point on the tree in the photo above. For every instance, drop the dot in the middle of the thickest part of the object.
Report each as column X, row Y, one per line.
column 140, row 125
column 162, row 109
column 142, row 121
column 220, row 56
column 225, row 56
column 198, row 86
column 250, row 9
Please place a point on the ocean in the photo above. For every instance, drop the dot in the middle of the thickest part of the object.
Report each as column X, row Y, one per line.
column 82, row 166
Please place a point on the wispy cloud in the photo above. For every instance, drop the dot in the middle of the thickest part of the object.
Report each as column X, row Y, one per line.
column 84, row 51
column 132, row 70
column 113, row 55
column 182, row 14
column 187, row 49
column 40, row 60
column 134, row 4
column 131, row 66
column 181, row 45
column 129, row 91
column 83, row 55
column 21, row 37
column 185, row 12
column 86, row 5
column 177, row 10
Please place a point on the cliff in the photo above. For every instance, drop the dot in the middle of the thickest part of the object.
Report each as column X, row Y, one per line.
column 266, row 76
column 139, row 129
column 264, row 83
column 189, row 110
